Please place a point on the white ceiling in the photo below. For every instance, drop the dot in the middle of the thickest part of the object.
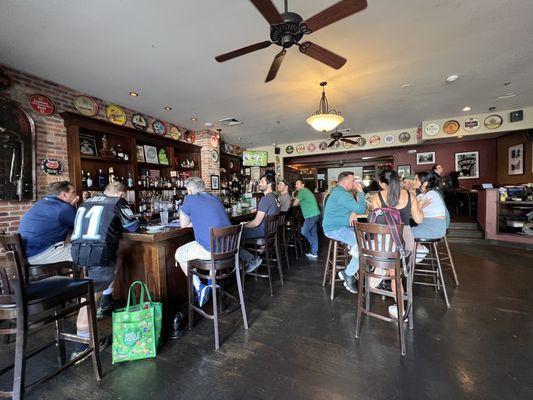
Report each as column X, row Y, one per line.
column 165, row 50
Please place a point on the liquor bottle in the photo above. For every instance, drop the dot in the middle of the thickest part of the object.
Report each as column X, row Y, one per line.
column 89, row 180
column 111, row 173
column 83, row 180
column 130, row 180
column 100, row 178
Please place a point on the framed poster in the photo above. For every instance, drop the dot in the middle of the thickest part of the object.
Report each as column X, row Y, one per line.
column 404, row 170
column 425, row 158
column 215, row 182
column 139, row 153
column 150, row 153
column 516, row 159
column 467, row 164
column 88, row 145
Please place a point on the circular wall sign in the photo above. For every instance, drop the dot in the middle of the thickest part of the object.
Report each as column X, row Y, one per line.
column 289, row 149
column 189, row 137
column 404, row 137
column 361, row 141
column 214, row 140
column 159, row 127
column 139, row 122
column 451, row 126
column 214, row 156
column 432, row 129
column 116, row 114
column 323, row 146
column 374, row 140
column 174, row 132
column 493, row 121
column 472, row 124
column 300, row 148
column 41, row 104
column 52, row 166
column 311, row 147
column 389, row 139
column 86, row 105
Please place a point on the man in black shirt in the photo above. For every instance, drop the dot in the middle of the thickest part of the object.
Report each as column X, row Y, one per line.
column 99, row 224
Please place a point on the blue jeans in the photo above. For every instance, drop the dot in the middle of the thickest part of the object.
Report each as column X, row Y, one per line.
column 310, row 232
column 347, row 235
column 249, row 233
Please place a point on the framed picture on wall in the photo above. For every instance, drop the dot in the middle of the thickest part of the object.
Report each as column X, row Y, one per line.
column 139, row 153
column 403, row 170
column 516, row 159
column 215, row 182
column 425, row 158
column 467, row 164
column 150, row 153
column 88, row 145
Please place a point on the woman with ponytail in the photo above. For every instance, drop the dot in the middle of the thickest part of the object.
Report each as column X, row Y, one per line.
column 432, row 204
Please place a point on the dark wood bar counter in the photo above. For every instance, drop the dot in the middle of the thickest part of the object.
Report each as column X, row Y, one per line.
column 149, row 257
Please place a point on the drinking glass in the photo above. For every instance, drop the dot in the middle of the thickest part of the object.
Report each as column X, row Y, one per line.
column 164, row 217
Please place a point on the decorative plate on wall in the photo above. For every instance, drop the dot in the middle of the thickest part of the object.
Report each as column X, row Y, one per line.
column 404, row 137
column 374, row 140
column 41, row 104
column 86, row 105
column 214, row 156
column 116, row 114
column 214, row 140
column 52, row 166
column 159, row 127
column 139, row 122
column 300, row 148
column 323, row 146
column 190, row 137
column 289, row 149
column 493, row 121
column 361, row 141
column 311, row 147
column 432, row 129
column 451, row 126
column 388, row 139
column 472, row 124
column 238, row 150
column 174, row 132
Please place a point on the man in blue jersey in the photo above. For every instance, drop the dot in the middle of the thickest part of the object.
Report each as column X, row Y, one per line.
column 44, row 227
column 202, row 211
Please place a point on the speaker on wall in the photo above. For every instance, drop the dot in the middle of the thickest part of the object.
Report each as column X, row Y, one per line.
column 277, row 150
column 517, row 116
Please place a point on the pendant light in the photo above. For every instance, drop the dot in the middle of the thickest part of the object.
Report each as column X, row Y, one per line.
column 325, row 120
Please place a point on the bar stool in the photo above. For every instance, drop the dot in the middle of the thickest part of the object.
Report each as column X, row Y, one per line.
column 282, row 236
column 294, row 236
column 446, row 258
column 430, row 267
column 32, row 306
column 336, row 261
column 223, row 264
column 268, row 248
column 377, row 250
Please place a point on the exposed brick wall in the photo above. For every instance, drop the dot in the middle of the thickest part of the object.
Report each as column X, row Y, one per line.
column 51, row 139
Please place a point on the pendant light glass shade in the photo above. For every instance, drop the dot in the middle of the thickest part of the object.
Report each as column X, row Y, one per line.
column 325, row 120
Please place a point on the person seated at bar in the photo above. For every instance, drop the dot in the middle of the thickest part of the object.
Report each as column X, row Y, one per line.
column 44, row 227
column 332, row 184
column 311, row 213
column 202, row 211
column 432, row 204
column 340, row 213
column 284, row 196
column 98, row 227
column 255, row 229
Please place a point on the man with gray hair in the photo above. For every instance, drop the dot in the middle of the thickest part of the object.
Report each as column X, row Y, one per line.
column 202, row 211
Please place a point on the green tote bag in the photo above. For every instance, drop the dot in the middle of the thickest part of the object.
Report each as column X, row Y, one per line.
column 137, row 328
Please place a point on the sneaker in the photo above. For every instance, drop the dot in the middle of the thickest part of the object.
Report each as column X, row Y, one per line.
column 203, row 294
column 254, row 264
column 81, row 347
column 106, row 304
column 393, row 312
column 312, row 255
column 349, row 282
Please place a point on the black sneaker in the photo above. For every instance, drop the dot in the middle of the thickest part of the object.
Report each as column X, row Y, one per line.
column 349, row 281
column 81, row 347
column 105, row 305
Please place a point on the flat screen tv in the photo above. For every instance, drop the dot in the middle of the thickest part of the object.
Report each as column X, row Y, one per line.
column 254, row 158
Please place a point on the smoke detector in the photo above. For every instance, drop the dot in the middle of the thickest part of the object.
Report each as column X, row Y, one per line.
column 230, row 121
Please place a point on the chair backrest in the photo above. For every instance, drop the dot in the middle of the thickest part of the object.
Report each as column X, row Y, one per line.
column 375, row 240
column 282, row 220
column 12, row 288
column 271, row 226
column 225, row 241
column 12, row 242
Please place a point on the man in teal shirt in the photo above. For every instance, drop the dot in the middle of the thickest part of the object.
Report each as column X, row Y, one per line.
column 307, row 201
column 340, row 213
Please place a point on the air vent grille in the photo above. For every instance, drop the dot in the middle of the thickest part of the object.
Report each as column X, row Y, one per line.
column 231, row 121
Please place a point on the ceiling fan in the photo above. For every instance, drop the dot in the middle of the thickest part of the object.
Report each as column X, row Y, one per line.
column 336, row 136
column 288, row 28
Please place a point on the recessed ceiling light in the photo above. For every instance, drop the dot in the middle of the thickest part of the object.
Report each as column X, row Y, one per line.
column 134, row 94
column 467, row 108
column 406, row 85
column 452, row 78
column 194, row 119
column 507, row 95
column 239, row 138
column 209, row 124
column 168, row 108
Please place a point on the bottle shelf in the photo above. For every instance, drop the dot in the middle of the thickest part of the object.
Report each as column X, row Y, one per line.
column 106, row 160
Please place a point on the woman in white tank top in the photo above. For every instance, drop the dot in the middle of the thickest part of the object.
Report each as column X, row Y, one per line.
column 430, row 200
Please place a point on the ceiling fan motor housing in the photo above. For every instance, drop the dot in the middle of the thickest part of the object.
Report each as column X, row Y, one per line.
column 288, row 33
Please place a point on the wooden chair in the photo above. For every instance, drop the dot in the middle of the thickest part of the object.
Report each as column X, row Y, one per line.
column 223, row 264
column 282, row 237
column 32, row 306
column 268, row 248
column 295, row 239
column 336, row 261
column 377, row 250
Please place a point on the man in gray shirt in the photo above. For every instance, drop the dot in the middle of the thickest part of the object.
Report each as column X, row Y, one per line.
column 284, row 196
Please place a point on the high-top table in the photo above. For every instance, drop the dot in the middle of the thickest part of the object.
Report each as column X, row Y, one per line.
column 149, row 257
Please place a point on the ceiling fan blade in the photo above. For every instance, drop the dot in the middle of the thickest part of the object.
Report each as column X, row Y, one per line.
column 243, row 51
column 272, row 72
column 269, row 11
column 332, row 14
column 323, row 55
column 348, row 141
column 332, row 143
column 350, row 136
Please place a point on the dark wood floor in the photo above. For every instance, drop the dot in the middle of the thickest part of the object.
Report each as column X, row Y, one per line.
column 301, row 346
